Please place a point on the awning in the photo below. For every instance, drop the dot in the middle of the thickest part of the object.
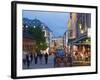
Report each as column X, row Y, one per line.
column 79, row 40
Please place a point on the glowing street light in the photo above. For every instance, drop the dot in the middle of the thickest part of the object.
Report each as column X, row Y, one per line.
column 34, row 26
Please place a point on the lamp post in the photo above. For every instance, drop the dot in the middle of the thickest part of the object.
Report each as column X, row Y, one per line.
column 89, row 32
column 34, row 26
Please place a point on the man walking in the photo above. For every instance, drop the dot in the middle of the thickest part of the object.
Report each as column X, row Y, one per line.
column 46, row 58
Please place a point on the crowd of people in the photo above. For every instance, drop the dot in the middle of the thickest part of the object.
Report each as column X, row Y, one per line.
column 74, row 54
column 36, row 57
column 80, row 53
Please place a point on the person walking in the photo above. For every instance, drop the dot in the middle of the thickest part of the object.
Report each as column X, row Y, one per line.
column 28, row 60
column 35, row 58
column 69, row 57
column 46, row 58
column 40, row 57
column 31, row 57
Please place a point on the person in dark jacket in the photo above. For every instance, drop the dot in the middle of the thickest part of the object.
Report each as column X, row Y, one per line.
column 28, row 60
column 69, row 57
column 36, row 58
column 31, row 57
column 40, row 57
column 46, row 58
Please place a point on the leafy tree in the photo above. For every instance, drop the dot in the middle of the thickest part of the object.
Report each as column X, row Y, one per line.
column 38, row 34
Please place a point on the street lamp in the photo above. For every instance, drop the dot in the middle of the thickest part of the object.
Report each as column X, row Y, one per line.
column 89, row 32
column 80, row 26
column 82, row 31
column 34, row 26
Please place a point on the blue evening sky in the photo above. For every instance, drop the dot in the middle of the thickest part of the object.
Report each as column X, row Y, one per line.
column 56, row 21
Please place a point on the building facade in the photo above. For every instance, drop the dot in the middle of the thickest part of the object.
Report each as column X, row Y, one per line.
column 29, row 43
column 65, row 38
column 79, row 28
column 37, row 23
column 57, row 42
column 72, row 26
column 47, row 34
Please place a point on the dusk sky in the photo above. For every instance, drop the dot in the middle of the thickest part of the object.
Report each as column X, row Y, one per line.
column 56, row 21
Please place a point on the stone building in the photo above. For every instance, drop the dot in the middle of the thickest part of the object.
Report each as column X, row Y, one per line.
column 29, row 43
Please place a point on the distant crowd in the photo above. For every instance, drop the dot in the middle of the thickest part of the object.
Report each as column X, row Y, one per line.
column 71, row 54
column 28, row 58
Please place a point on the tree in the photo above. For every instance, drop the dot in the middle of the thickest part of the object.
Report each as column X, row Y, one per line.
column 38, row 34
